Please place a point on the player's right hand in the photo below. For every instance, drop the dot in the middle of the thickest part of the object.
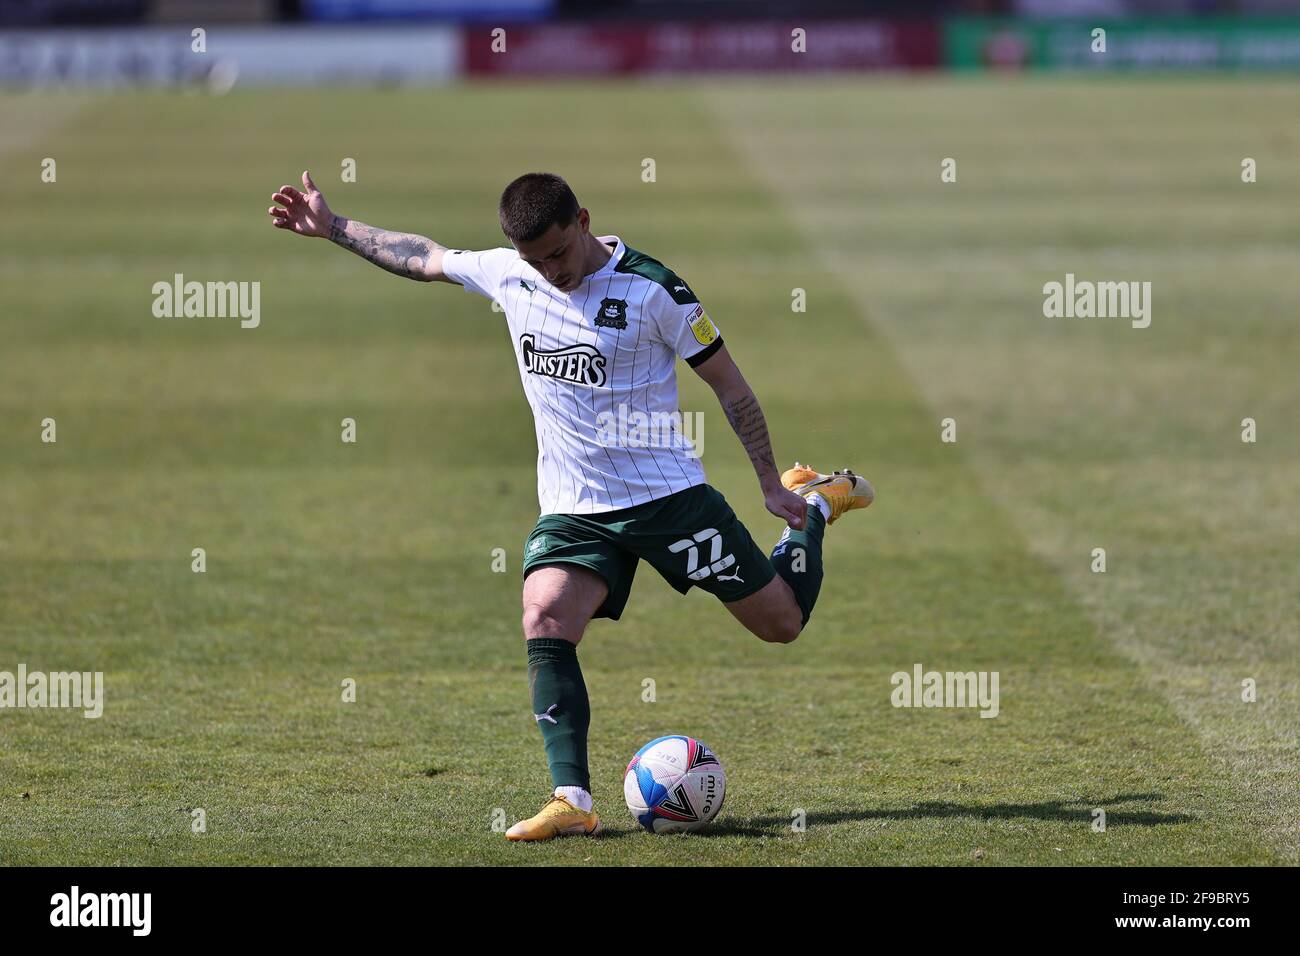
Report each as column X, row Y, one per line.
column 786, row 505
column 305, row 213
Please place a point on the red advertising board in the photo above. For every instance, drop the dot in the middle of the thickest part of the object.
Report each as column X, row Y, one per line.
column 574, row 49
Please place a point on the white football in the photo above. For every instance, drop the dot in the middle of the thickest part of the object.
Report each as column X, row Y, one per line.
column 674, row 785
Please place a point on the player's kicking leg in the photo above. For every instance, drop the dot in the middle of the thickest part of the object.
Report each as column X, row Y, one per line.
column 779, row 611
column 559, row 601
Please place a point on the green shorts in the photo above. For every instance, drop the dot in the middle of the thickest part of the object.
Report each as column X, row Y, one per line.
column 692, row 538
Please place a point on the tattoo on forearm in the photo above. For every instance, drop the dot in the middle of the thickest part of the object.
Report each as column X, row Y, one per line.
column 747, row 421
column 401, row 253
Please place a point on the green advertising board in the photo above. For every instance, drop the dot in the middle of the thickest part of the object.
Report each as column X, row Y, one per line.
column 1208, row 43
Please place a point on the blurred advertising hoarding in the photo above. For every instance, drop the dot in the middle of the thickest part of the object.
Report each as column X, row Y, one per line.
column 569, row 49
column 42, row 59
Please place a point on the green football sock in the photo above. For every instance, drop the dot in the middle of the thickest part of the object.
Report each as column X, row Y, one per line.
column 797, row 557
column 560, row 708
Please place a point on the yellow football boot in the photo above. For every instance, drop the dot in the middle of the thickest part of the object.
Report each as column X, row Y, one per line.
column 557, row 818
column 843, row 490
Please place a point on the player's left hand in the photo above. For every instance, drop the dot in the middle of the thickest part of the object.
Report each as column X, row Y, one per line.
column 305, row 213
column 786, row 505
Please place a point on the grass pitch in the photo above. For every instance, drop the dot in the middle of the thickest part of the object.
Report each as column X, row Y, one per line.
column 373, row 561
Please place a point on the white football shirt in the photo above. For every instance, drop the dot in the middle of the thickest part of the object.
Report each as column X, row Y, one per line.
column 599, row 369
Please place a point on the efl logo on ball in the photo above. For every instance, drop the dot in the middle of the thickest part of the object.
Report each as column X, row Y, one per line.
column 674, row 785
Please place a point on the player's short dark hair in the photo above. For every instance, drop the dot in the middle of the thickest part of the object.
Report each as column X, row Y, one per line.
column 533, row 203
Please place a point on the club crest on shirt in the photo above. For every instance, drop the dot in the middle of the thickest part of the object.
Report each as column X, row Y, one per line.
column 581, row 364
column 612, row 314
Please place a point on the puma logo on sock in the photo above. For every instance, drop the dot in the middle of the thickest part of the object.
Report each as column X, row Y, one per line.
column 547, row 715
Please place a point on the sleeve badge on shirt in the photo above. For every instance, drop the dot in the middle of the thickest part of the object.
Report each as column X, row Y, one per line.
column 612, row 314
column 702, row 326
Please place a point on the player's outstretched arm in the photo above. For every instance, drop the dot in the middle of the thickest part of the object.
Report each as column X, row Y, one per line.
column 746, row 417
column 401, row 253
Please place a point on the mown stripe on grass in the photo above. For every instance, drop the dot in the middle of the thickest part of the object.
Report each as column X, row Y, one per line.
column 1088, row 435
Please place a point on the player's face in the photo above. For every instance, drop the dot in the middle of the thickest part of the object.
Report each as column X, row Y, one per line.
column 559, row 254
